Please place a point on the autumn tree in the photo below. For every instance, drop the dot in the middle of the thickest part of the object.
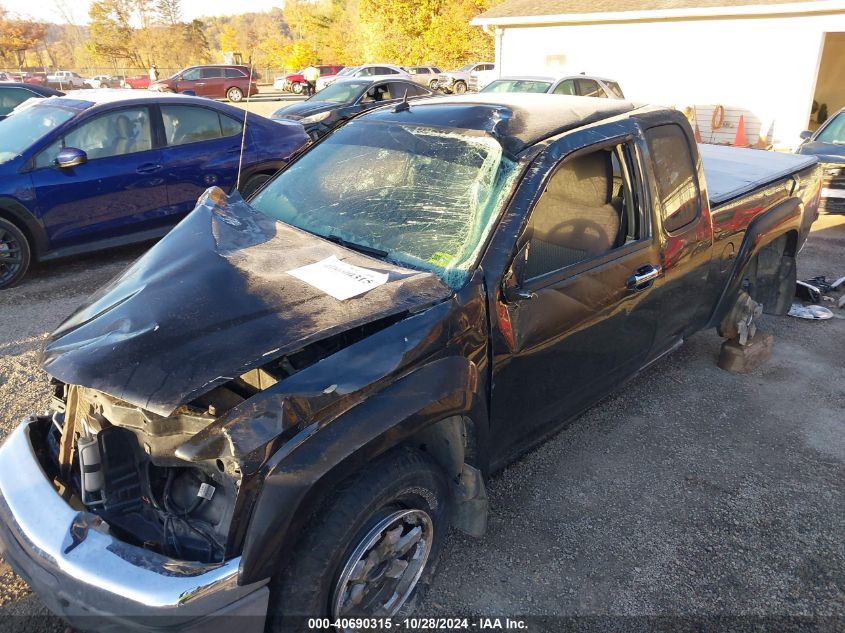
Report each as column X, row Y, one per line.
column 17, row 36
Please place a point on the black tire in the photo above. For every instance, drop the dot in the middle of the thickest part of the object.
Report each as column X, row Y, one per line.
column 234, row 94
column 459, row 88
column 15, row 254
column 253, row 184
column 401, row 480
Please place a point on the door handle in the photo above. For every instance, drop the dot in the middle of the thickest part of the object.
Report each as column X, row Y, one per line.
column 643, row 277
column 200, row 83
column 148, row 168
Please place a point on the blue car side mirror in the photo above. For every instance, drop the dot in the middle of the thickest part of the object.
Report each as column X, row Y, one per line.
column 806, row 134
column 71, row 157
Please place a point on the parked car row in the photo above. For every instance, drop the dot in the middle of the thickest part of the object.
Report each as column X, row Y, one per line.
column 99, row 168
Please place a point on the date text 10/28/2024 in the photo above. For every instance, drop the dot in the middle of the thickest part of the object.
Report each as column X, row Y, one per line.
column 417, row 624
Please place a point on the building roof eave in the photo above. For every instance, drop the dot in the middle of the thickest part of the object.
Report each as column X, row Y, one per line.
column 757, row 10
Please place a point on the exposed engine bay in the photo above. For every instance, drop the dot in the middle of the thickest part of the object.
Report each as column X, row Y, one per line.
column 116, row 461
column 121, row 462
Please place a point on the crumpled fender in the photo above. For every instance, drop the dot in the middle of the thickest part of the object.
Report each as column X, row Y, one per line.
column 762, row 231
column 311, row 463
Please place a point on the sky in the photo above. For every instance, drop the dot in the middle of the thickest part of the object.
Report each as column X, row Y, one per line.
column 47, row 10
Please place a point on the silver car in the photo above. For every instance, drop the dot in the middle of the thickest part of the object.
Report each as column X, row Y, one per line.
column 424, row 75
column 576, row 85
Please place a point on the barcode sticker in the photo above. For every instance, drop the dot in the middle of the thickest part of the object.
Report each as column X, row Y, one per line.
column 206, row 491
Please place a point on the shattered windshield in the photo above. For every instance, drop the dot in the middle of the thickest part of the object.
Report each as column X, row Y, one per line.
column 426, row 197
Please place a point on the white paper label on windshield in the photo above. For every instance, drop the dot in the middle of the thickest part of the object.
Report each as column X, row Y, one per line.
column 339, row 279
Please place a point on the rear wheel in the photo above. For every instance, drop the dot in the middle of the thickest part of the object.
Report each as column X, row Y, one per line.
column 15, row 254
column 297, row 88
column 371, row 551
column 234, row 94
column 459, row 88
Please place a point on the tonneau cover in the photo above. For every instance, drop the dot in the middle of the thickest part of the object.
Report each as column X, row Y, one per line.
column 735, row 171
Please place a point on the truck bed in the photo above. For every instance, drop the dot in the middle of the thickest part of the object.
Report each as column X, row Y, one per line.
column 732, row 172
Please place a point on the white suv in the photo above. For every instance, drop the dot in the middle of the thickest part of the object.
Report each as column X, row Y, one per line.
column 459, row 81
column 367, row 70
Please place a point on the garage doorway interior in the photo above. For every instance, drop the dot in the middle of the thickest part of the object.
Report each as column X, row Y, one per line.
column 830, row 84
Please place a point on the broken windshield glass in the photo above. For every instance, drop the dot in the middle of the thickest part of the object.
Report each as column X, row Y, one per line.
column 427, row 197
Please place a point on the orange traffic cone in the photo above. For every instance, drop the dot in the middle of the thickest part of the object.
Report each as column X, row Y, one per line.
column 697, row 134
column 740, row 140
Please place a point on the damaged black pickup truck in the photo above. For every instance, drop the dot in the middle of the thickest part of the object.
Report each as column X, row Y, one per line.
column 278, row 410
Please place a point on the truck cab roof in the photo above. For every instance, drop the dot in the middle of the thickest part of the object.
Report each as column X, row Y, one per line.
column 518, row 120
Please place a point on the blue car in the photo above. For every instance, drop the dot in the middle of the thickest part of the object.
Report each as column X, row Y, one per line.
column 98, row 169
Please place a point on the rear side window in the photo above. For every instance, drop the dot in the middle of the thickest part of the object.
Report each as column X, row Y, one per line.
column 615, row 89
column 589, row 88
column 187, row 124
column 233, row 73
column 211, row 73
column 674, row 172
column 565, row 88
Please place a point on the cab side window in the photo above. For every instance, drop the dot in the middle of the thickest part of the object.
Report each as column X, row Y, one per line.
column 674, row 172
column 588, row 208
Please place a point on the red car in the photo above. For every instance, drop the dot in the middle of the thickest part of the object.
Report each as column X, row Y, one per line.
column 216, row 82
column 138, row 82
column 295, row 82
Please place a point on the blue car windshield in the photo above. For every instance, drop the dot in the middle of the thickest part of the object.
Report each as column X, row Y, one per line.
column 427, row 197
column 23, row 128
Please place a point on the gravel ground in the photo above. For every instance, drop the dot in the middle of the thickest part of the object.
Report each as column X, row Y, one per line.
column 691, row 492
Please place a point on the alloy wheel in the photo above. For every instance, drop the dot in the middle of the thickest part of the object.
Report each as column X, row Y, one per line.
column 11, row 256
column 385, row 567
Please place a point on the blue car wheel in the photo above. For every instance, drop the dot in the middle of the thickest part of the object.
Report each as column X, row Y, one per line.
column 14, row 254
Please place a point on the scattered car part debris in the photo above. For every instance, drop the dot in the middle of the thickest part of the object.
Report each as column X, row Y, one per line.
column 810, row 312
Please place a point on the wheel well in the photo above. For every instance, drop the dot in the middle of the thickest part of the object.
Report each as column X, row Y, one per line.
column 771, row 274
column 452, row 444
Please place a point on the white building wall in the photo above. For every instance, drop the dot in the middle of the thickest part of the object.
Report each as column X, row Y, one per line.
column 766, row 67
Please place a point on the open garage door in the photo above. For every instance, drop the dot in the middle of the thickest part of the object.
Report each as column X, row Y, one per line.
column 830, row 83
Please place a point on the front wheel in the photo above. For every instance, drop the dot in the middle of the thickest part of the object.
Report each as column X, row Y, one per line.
column 15, row 254
column 234, row 95
column 459, row 88
column 254, row 184
column 432, row 84
column 372, row 549
column 297, row 88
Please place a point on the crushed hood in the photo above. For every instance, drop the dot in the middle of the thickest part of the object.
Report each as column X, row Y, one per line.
column 212, row 300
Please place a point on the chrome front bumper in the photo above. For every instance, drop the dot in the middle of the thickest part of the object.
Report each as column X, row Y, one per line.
column 97, row 582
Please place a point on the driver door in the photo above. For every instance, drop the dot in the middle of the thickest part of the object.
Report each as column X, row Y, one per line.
column 581, row 305
column 119, row 190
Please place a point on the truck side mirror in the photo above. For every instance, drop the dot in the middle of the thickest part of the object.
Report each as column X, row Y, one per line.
column 71, row 157
column 806, row 135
